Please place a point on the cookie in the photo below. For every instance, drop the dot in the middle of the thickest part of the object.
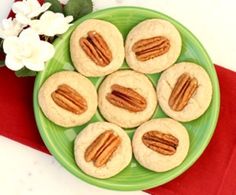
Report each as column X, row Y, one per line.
column 127, row 98
column 152, row 46
column 102, row 150
column 184, row 91
column 160, row 144
column 96, row 48
column 68, row 99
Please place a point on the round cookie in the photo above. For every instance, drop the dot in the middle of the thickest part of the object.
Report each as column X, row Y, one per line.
column 113, row 39
column 72, row 116
column 169, row 46
column 200, row 99
column 154, row 160
column 120, row 158
column 124, row 117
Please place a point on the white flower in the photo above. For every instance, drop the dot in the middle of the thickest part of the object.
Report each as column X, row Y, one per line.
column 51, row 24
column 27, row 9
column 10, row 28
column 27, row 50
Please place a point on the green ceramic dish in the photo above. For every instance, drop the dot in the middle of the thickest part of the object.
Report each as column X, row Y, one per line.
column 59, row 140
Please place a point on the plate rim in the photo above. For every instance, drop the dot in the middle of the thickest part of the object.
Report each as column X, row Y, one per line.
column 146, row 185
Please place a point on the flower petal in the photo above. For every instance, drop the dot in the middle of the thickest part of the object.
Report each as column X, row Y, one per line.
column 29, row 8
column 40, row 54
column 51, row 24
column 13, row 63
column 21, row 7
column 10, row 28
column 69, row 19
column 37, row 9
column 35, row 25
column 21, row 18
column 34, row 66
column 29, row 35
column 62, row 29
column 34, row 3
column 45, row 7
column 47, row 50
column 3, row 35
column 48, row 15
column 7, row 23
column 10, row 45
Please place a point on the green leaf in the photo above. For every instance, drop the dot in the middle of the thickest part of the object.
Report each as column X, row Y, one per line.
column 1, row 45
column 2, row 63
column 55, row 6
column 78, row 8
column 24, row 72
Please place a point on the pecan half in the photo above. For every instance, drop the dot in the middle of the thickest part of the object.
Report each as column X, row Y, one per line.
column 96, row 48
column 146, row 49
column 69, row 99
column 126, row 98
column 102, row 148
column 182, row 92
column 162, row 143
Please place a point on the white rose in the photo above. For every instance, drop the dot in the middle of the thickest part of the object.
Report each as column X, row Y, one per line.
column 27, row 9
column 10, row 27
column 51, row 24
column 27, row 50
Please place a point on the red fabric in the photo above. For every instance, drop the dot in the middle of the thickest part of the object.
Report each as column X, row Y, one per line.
column 16, row 110
column 213, row 173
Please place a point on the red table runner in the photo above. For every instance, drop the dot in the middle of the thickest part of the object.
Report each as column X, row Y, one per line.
column 214, row 172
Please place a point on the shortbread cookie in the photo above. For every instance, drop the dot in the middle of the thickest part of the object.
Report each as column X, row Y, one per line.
column 68, row 99
column 184, row 91
column 160, row 144
column 127, row 98
column 102, row 150
column 152, row 46
column 96, row 48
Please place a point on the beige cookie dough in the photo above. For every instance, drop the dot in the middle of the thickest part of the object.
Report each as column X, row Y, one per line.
column 111, row 36
column 59, row 115
column 119, row 159
column 120, row 116
column 148, row 29
column 200, row 100
column 156, row 161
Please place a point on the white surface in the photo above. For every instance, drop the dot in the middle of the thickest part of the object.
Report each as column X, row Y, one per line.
column 27, row 171
column 5, row 6
column 212, row 21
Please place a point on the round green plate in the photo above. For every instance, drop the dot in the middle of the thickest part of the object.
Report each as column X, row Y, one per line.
column 59, row 140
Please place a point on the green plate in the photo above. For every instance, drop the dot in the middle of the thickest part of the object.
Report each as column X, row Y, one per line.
column 59, row 140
